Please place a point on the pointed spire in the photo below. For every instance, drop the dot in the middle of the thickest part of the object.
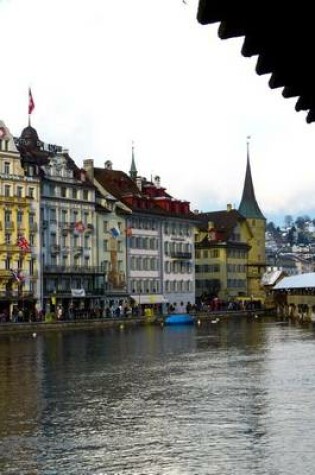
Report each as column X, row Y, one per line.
column 249, row 207
column 133, row 170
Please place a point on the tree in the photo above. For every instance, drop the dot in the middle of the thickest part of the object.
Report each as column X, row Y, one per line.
column 270, row 227
column 288, row 221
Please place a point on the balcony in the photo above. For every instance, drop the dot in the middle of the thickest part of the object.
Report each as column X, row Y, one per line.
column 8, row 247
column 20, row 200
column 20, row 294
column 77, row 250
column 54, row 248
column 73, row 269
column 5, row 274
column 33, row 227
column 65, row 227
column 9, row 225
column 89, row 228
column 181, row 255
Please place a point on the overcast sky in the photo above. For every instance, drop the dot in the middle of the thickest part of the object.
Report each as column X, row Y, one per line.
column 105, row 73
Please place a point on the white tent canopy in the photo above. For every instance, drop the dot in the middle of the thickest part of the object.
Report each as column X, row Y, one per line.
column 300, row 281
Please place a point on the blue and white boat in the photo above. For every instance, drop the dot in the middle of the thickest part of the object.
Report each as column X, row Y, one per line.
column 179, row 319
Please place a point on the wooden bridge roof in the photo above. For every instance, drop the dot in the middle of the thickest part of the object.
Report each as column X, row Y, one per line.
column 281, row 34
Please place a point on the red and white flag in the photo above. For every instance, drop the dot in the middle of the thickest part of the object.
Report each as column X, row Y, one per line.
column 23, row 243
column 31, row 103
column 79, row 227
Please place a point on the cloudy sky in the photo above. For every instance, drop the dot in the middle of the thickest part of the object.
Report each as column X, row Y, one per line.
column 105, row 73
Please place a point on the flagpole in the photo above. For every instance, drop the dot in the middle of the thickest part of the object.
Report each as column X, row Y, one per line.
column 31, row 105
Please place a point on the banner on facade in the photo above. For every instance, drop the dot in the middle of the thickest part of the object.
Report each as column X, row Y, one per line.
column 78, row 292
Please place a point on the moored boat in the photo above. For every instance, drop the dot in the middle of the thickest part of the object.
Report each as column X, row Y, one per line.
column 179, row 319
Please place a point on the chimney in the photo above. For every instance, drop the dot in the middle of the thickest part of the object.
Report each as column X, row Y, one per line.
column 139, row 182
column 210, row 225
column 229, row 207
column 157, row 181
column 108, row 165
column 88, row 166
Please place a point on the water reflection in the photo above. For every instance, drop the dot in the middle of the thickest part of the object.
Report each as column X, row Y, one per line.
column 223, row 398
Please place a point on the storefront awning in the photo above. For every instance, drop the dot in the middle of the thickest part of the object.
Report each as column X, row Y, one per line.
column 149, row 299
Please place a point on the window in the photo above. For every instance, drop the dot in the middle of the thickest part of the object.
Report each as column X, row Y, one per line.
column 105, row 245
column 6, row 168
column 53, row 215
column 74, row 193
column 105, row 226
column 31, row 192
column 19, row 217
column 7, row 238
column 7, row 190
column 32, row 266
column 85, row 195
column 53, row 260
column 19, row 191
column 63, row 192
column 8, row 263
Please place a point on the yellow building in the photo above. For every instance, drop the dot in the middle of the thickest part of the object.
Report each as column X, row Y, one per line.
column 221, row 255
column 230, row 250
column 19, row 238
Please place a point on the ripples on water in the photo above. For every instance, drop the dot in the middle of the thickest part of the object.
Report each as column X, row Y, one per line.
column 232, row 398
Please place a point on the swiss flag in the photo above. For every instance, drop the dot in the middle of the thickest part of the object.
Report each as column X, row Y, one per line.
column 31, row 103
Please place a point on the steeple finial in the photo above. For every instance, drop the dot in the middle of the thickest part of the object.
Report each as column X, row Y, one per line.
column 133, row 170
column 249, row 207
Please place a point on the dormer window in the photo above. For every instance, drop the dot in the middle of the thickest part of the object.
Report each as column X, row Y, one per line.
column 7, row 168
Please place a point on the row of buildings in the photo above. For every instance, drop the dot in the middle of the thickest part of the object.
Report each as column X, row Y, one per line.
column 90, row 239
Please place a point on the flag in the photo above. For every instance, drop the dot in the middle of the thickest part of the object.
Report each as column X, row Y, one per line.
column 129, row 231
column 17, row 275
column 114, row 232
column 31, row 103
column 79, row 227
column 23, row 243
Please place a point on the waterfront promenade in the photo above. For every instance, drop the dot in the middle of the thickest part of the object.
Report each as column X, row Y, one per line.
column 121, row 322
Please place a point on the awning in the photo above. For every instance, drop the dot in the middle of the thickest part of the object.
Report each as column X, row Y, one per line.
column 149, row 299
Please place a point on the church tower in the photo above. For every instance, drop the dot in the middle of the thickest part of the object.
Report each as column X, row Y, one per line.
column 133, row 170
column 249, row 208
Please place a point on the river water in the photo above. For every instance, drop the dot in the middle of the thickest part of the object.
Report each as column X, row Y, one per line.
column 236, row 397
